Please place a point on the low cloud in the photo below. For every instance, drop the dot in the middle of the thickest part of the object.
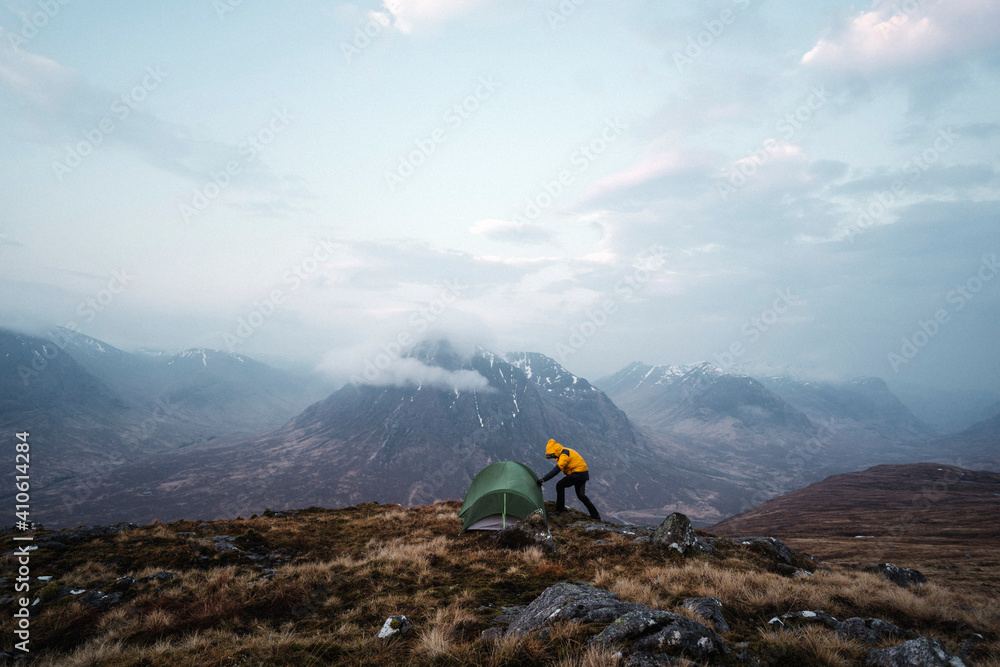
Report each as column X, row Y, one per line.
column 409, row 372
column 511, row 231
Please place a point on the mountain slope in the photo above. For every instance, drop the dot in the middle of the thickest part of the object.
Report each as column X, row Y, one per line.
column 413, row 444
column 210, row 392
column 976, row 447
column 78, row 425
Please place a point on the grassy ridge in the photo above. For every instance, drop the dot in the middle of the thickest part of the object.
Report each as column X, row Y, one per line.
column 313, row 587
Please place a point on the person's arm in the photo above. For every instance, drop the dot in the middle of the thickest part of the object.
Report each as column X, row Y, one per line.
column 552, row 473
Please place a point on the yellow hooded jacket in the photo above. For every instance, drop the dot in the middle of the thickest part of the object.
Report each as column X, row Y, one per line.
column 567, row 459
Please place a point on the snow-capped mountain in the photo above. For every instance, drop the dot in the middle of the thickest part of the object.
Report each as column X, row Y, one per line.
column 416, row 440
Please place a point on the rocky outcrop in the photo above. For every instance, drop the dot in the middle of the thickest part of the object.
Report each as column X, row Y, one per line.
column 779, row 548
column 676, row 533
column 656, row 631
column 901, row 576
column 707, row 609
column 920, row 652
column 870, row 630
column 576, row 600
column 648, row 636
column 799, row 618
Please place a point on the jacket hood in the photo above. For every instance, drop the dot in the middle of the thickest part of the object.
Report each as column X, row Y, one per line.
column 553, row 449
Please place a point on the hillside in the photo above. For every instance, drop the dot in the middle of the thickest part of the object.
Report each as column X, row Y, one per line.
column 314, row 587
column 941, row 518
column 772, row 434
column 412, row 444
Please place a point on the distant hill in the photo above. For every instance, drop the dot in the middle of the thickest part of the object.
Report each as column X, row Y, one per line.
column 926, row 501
column 77, row 424
column 416, row 442
column 90, row 407
column 211, row 392
column 976, row 447
column 775, row 434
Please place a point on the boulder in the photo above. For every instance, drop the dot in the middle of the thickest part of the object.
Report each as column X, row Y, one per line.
column 920, row 652
column 98, row 599
column 707, row 609
column 676, row 533
column 570, row 600
column 869, row 630
column 901, row 576
column 780, row 549
column 655, row 631
column 396, row 626
column 799, row 618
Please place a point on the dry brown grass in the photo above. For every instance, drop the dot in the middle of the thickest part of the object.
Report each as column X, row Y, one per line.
column 345, row 571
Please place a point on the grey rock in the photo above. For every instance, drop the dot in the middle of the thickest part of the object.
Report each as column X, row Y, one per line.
column 643, row 659
column 870, row 630
column 780, row 549
column 645, row 539
column 707, row 609
column 224, row 543
column 98, row 599
column 396, row 626
column 676, row 533
column 656, row 631
column 608, row 527
column 799, row 618
column 920, row 652
column 567, row 601
column 901, row 576
column 160, row 576
column 490, row 634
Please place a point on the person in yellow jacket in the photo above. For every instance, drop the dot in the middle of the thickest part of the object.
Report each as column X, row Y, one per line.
column 571, row 464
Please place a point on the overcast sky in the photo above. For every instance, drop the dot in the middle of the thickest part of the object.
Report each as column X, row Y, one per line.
column 805, row 188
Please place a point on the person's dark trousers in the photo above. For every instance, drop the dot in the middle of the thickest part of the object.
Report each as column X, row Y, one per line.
column 579, row 481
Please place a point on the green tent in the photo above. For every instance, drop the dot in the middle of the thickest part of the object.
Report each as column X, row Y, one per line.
column 500, row 495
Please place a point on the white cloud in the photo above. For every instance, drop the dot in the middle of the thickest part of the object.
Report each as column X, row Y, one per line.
column 511, row 230
column 409, row 16
column 890, row 37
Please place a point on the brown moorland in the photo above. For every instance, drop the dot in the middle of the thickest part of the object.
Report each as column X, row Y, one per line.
column 313, row 587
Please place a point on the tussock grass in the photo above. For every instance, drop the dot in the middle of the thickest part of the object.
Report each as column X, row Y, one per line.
column 338, row 574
